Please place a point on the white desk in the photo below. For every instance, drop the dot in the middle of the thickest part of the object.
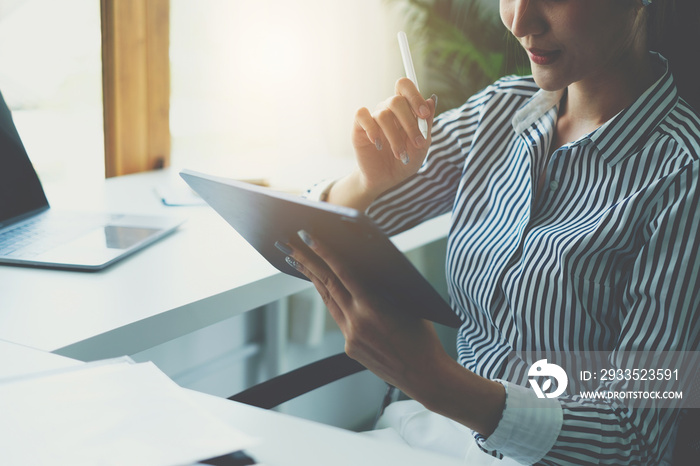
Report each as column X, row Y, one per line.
column 285, row 440
column 203, row 274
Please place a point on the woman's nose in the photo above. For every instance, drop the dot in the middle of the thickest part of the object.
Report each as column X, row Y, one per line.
column 526, row 18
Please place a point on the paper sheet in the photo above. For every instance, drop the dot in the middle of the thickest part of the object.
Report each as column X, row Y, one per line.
column 118, row 413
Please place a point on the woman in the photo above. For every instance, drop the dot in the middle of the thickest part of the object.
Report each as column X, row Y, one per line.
column 574, row 196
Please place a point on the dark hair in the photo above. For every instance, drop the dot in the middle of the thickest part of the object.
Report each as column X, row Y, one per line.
column 674, row 32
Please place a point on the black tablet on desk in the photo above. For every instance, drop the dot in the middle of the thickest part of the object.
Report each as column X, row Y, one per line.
column 263, row 216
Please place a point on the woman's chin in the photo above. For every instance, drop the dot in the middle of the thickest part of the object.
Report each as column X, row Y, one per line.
column 549, row 83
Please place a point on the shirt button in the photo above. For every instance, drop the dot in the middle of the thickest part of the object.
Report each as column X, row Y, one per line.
column 553, row 186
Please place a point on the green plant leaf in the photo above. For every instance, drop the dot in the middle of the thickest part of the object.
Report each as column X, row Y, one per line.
column 464, row 46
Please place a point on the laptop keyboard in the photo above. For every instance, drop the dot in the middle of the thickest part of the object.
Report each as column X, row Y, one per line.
column 37, row 235
column 26, row 239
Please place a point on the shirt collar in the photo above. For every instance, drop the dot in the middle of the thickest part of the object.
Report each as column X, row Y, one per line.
column 622, row 135
column 535, row 108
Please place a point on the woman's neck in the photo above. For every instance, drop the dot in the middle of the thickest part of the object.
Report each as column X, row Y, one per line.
column 591, row 102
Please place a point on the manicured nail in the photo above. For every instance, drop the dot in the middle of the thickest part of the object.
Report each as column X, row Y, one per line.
column 419, row 141
column 404, row 158
column 424, row 111
column 434, row 97
column 378, row 144
column 284, row 248
column 306, row 238
column 294, row 264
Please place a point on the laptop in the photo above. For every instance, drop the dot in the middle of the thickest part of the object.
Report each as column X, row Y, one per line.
column 32, row 234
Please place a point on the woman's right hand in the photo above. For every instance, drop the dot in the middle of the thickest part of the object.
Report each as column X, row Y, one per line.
column 388, row 144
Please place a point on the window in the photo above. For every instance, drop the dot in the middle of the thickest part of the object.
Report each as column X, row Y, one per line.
column 268, row 88
column 51, row 79
column 258, row 89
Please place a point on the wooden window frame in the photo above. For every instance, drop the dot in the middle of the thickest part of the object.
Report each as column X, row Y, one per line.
column 136, row 85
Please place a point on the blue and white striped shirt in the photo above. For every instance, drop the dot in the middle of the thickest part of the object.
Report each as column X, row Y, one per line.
column 603, row 258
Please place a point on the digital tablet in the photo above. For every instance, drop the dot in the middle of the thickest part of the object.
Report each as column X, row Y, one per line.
column 263, row 216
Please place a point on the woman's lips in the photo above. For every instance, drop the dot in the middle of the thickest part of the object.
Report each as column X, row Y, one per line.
column 543, row 57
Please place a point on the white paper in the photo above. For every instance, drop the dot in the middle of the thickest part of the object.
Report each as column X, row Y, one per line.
column 18, row 360
column 118, row 413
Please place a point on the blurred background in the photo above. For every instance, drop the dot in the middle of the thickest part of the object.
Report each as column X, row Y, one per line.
column 264, row 88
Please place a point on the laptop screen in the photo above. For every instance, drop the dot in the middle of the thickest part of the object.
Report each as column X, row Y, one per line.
column 20, row 188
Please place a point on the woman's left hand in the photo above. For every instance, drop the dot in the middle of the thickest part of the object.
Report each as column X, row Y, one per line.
column 395, row 344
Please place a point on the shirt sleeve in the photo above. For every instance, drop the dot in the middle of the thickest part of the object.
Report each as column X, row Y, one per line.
column 659, row 303
column 515, row 436
column 319, row 191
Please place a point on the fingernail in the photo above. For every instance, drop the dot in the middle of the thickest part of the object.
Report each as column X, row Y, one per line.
column 420, row 142
column 404, row 158
column 284, row 248
column 306, row 238
column 434, row 97
column 294, row 264
column 378, row 144
column 424, row 111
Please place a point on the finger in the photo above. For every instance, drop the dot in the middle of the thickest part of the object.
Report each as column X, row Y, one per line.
column 335, row 265
column 364, row 119
column 326, row 295
column 319, row 270
column 406, row 118
column 406, row 88
column 393, row 132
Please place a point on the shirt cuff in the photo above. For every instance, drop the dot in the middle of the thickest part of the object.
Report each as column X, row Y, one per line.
column 319, row 191
column 529, row 425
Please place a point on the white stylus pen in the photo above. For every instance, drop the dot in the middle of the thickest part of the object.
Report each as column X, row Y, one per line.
column 411, row 74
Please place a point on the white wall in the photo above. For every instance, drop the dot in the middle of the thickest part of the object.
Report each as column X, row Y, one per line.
column 271, row 86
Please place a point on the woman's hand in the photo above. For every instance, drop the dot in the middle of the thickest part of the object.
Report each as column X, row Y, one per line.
column 388, row 144
column 396, row 345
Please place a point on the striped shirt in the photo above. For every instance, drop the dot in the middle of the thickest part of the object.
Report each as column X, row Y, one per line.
column 603, row 258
